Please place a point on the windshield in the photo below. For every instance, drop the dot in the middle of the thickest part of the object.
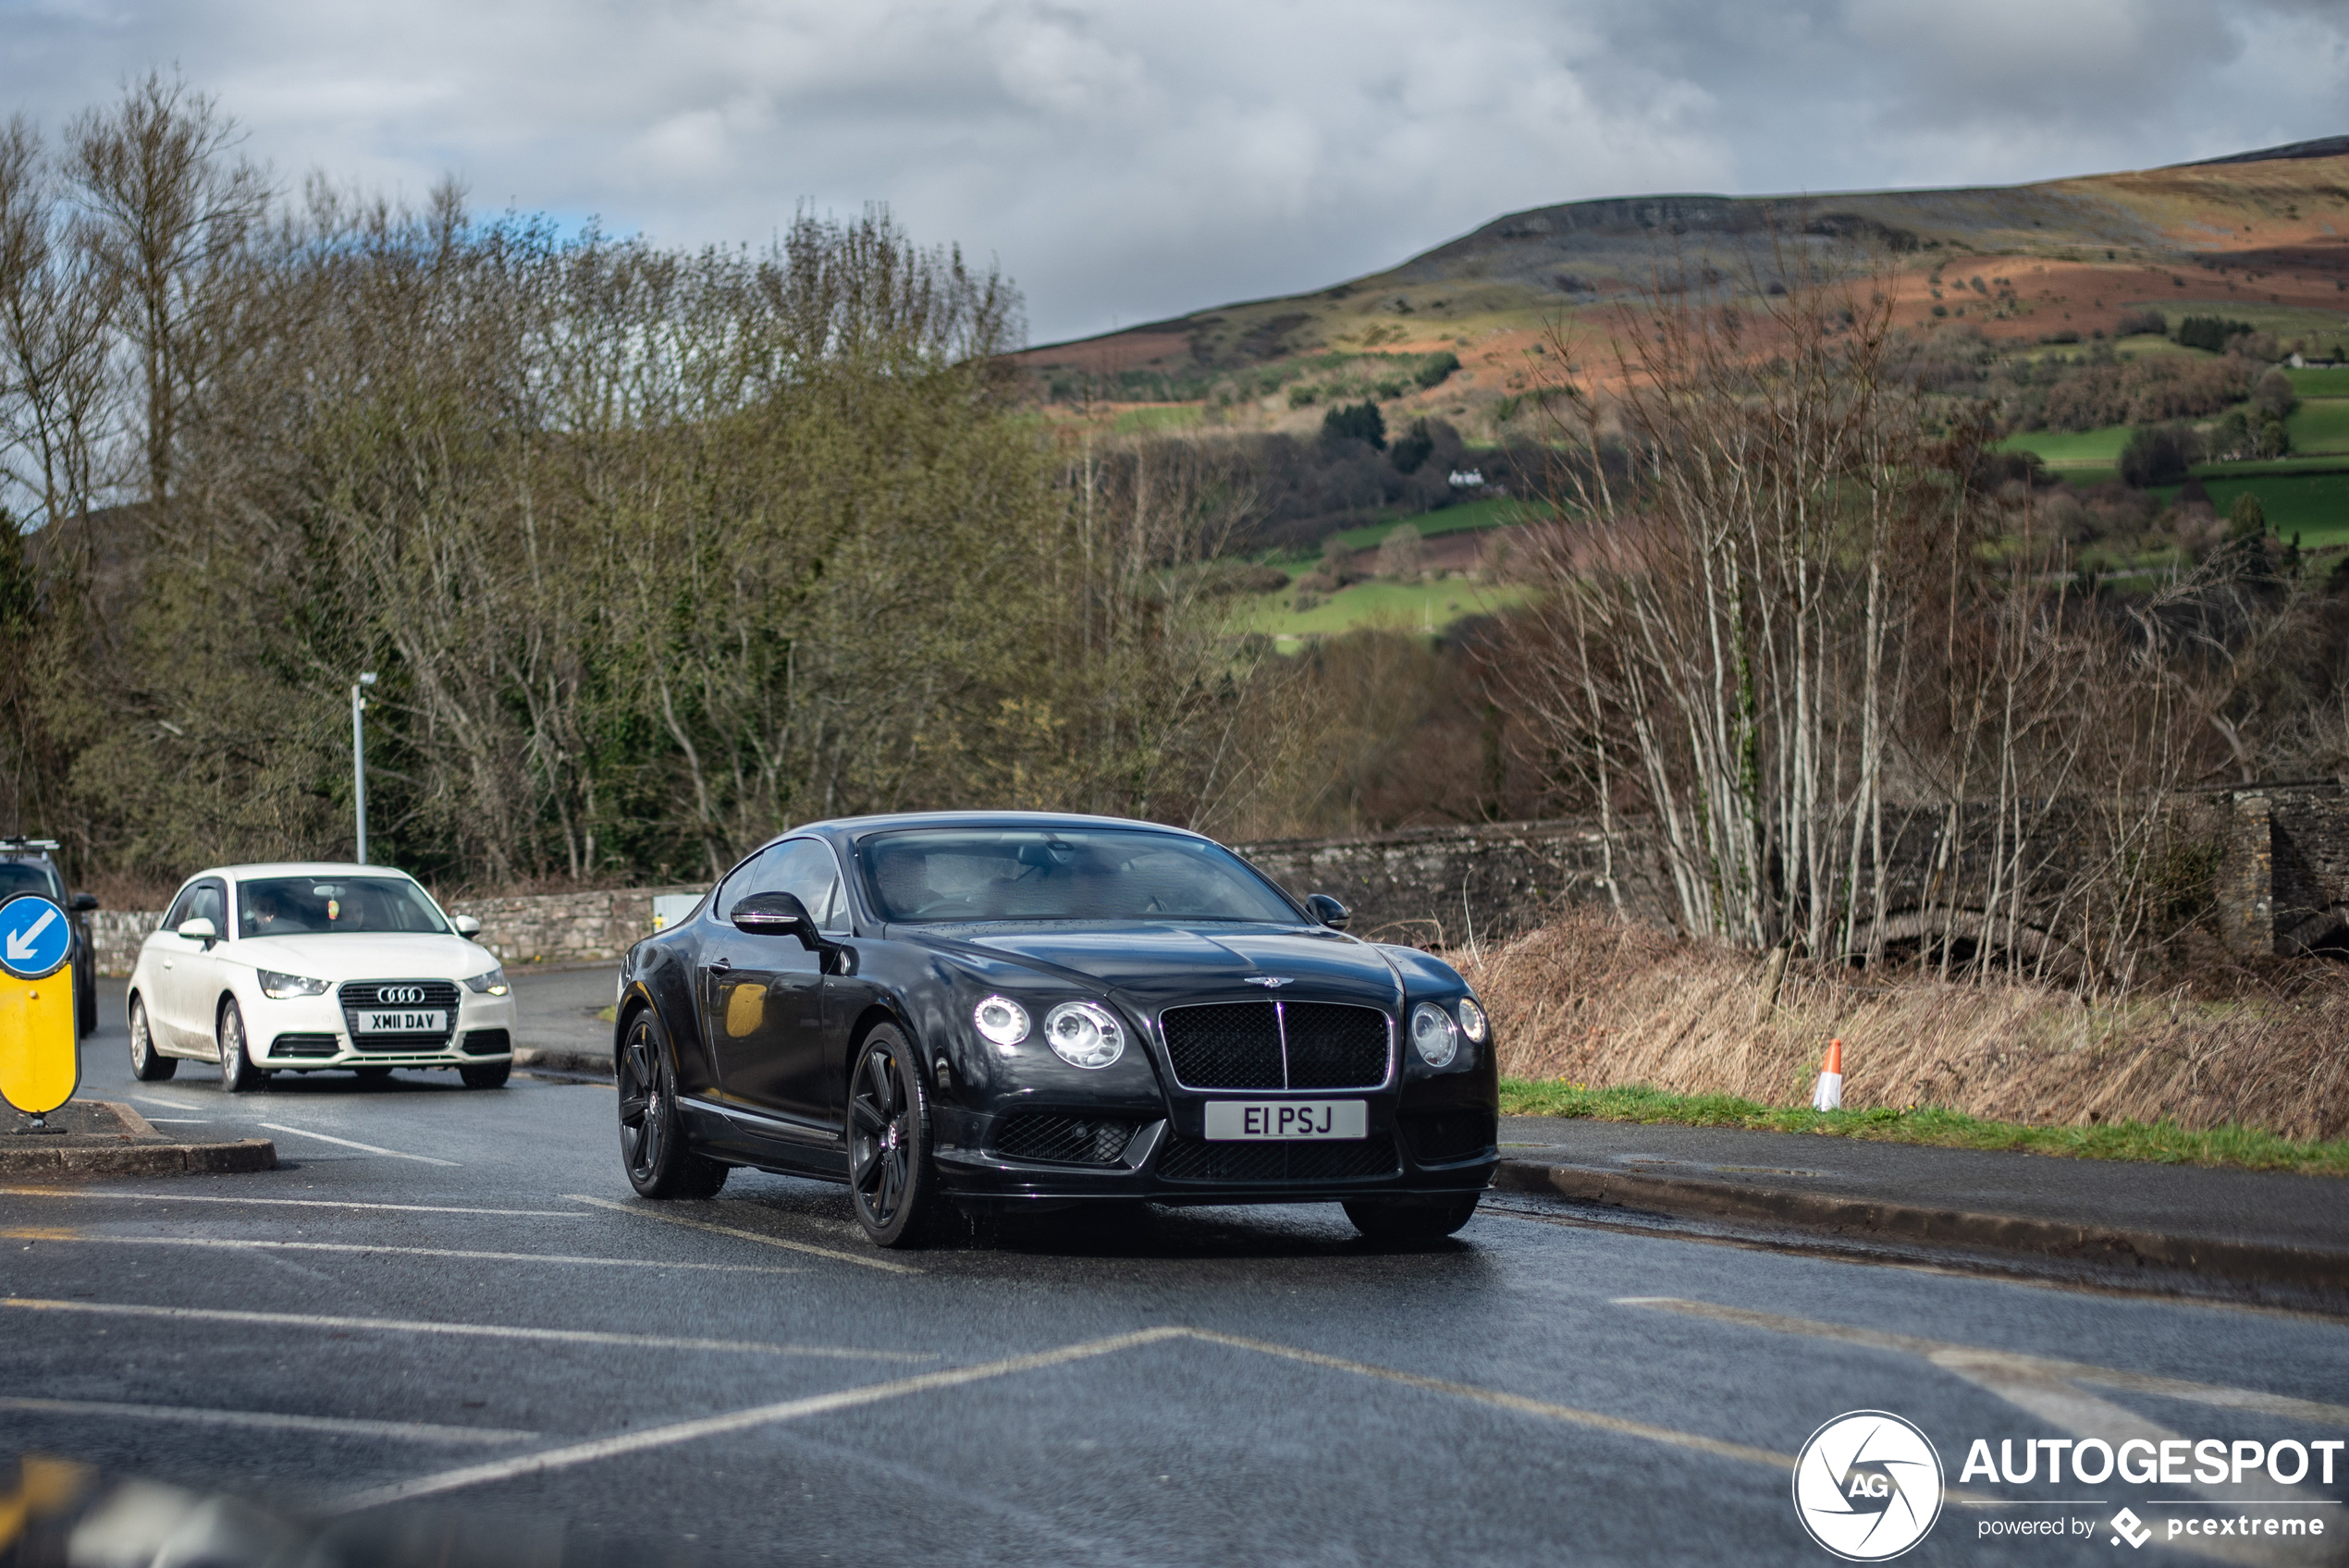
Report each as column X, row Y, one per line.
column 28, row 876
column 311, row 906
column 965, row 873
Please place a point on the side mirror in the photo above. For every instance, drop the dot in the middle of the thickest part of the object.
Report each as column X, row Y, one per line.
column 200, row 930
column 1328, row 911
column 84, row 902
column 465, row 925
column 776, row 915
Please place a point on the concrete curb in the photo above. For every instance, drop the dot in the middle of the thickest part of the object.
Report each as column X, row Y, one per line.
column 594, row 1065
column 2308, row 1267
column 141, row 1159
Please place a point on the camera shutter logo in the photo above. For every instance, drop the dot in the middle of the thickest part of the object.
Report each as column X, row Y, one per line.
column 1867, row 1486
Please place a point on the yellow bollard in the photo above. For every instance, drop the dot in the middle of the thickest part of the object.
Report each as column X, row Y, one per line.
column 40, row 1050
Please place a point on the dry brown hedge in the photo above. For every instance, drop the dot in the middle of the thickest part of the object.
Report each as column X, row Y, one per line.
column 1606, row 1004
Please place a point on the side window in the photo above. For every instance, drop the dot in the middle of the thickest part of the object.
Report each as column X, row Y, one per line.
column 209, row 900
column 181, row 909
column 803, row 868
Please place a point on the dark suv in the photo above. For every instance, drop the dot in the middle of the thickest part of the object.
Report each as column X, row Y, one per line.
column 29, row 866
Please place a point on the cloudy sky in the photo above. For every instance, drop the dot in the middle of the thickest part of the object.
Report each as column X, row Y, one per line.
column 1125, row 161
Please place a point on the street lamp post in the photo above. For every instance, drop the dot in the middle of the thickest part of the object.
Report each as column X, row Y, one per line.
column 359, row 758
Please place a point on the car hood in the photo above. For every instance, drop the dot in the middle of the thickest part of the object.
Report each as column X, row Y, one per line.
column 1150, row 965
column 389, row 956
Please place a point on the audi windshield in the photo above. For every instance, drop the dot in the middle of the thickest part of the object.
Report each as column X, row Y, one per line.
column 319, row 906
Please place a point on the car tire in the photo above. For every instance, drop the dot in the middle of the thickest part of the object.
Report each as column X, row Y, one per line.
column 1410, row 1219
column 891, row 1183
column 493, row 1075
column 652, row 1134
column 85, row 985
column 147, row 1064
column 238, row 1073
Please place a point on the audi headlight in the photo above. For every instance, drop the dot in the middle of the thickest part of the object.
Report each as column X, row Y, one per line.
column 493, row 982
column 282, row 987
column 1001, row 1021
column 1084, row 1034
column 1472, row 1022
column 1433, row 1036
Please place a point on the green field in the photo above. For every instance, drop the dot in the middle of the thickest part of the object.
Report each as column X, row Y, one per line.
column 2314, row 505
column 2072, row 448
column 2331, row 381
column 1451, row 519
column 2320, row 424
column 1172, row 416
column 2285, row 321
column 1400, row 606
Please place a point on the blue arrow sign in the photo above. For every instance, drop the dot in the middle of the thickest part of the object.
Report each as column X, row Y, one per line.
column 34, row 937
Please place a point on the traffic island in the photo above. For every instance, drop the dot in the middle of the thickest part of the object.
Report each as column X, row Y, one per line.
column 106, row 1138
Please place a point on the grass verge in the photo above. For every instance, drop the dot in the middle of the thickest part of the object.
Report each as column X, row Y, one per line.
column 2158, row 1143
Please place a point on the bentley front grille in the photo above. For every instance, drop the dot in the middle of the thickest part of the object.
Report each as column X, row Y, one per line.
column 1272, row 1044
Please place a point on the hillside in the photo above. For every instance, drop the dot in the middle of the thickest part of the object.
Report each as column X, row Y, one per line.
column 2268, row 228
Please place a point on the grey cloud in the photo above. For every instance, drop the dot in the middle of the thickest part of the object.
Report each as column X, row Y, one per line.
column 1133, row 161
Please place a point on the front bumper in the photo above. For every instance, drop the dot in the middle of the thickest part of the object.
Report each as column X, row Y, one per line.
column 307, row 1033
column 1433, row 1146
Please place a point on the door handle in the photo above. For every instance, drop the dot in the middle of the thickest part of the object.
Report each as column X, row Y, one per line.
column 166, row 964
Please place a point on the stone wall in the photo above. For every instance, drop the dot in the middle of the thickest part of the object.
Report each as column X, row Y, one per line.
column 541, row 928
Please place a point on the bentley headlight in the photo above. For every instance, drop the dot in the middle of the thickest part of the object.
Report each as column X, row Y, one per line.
column 282, row 987
column 1084, row 1034
column 1433, row 1036
column 493, row 982
column 1472, row 1022
column 1001, row 1020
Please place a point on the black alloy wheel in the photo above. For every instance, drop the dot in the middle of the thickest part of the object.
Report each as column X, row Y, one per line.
column 147, row 1064
column 889, row 1178
column 1410, row 1219
column 236, row 1072
column 652, row 1142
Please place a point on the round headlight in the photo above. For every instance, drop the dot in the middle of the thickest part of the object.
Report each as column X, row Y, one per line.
column 1432, row 1035
column 1001, row 1020
column 1084, row 1034
column 1473, row 1020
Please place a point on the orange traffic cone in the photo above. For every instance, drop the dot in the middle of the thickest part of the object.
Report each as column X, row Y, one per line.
column 1829, row 1096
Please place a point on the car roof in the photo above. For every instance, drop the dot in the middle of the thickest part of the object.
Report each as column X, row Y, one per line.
column 852, row 827
column 302, row 868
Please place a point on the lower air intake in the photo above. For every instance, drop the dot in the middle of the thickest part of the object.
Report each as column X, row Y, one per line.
column 1062, row 1140
column 1345, row 1160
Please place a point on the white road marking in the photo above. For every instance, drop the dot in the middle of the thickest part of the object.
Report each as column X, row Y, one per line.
column 1970, row 1357
column 181, row 1120
column 290, row 1202
column 157, row 1099
column 1517, row 1403
column 458, row 1330
column 349, row 1143
column 231, row 1243
column 737, row 1420
column 833, row 1253
column 263, row 1420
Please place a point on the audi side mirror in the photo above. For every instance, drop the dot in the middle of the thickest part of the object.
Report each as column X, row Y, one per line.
column 84, row 902
column 1328, row 911
column 200, row 930
column 465, row 924
column 776, row 915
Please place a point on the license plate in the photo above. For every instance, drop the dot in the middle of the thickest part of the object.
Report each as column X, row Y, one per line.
column 403, row 1023
column 1241, row 1120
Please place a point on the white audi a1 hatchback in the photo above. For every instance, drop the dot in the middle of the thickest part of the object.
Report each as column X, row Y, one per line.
column 294, row 968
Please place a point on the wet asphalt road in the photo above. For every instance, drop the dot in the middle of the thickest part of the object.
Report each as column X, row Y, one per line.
column 450, row 1306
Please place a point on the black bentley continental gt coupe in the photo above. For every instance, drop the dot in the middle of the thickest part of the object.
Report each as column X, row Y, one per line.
column 1019, row 1009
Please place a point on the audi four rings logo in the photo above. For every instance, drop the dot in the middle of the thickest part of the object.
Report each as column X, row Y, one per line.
column 1868, row 1486
column 400, row 995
